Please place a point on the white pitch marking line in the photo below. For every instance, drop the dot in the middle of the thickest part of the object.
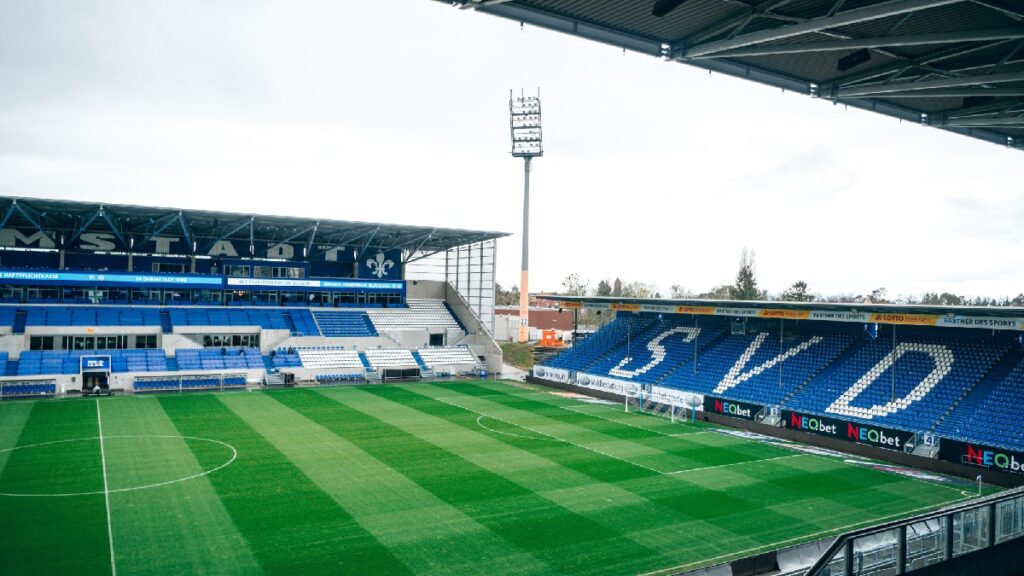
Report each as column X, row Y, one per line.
column 553, row 437
column 106, row 491
column 575, row 410
column 738, row 463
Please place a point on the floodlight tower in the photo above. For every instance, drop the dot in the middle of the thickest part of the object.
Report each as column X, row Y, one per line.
column 526, row 144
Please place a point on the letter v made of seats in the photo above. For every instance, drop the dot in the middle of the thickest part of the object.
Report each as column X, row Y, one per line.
column 733, row 378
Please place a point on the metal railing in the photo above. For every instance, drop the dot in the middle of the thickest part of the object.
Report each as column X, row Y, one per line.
column 901, row 546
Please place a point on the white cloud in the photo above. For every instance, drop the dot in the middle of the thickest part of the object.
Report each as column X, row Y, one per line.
column 397, row 111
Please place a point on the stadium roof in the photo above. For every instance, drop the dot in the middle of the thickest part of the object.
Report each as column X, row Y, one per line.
column 69, row 219
column 912, row 309
column 957, row 65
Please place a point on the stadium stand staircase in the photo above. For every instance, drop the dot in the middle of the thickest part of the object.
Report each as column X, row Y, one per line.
column 165, row 322
column 824, row 371
column 419, row 361
column 976, row 395
column 289, row 321
column 172, row 364
column 671, row 375
column 20, row 318
column 365, row 361
column 12, row 368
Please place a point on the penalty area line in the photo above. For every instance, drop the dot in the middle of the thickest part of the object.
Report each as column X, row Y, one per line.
column 551, row 436
column 106, row 491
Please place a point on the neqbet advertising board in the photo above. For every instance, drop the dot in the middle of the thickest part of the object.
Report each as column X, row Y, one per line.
column 848, row 431
column 731, row 408
column 981, row 456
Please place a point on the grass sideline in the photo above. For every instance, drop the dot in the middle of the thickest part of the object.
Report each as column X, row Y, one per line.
column 452, row 478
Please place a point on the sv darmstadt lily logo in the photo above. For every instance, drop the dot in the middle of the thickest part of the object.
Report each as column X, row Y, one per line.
column 379, row 265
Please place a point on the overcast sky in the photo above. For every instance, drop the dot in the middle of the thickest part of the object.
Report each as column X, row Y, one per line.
column 396, row 111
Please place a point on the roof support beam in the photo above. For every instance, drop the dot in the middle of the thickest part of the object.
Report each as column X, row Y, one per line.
column 237, row 226
column 312, row 236
column 733, row 22
column 161, row 224
column 957, row 93
column 905, row 64
column 885, row 41
column 419, row 244
column 997, row 107
column 366, row 243
column 85, row 224
column 7, row 215
column 105, row 214
column 27, row 212
column 848, row 17
column 1015, row 14
column 881, row 89
column 983, row 121
column 185, row 231
column 345, row 241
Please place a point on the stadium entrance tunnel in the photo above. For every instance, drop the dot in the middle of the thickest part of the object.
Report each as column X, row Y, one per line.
column 75, row 467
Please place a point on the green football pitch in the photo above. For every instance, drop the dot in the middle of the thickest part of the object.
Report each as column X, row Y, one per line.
column 459, row 478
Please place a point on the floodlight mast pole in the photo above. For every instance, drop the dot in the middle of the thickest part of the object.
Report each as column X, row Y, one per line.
column 524, row 275
column 524, row 113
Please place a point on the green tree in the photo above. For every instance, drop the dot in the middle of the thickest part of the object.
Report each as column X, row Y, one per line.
column 679, row 292
column 797, row 293
column 640, row 290
column 603, row 288
column 573, row 285
column 745, row 287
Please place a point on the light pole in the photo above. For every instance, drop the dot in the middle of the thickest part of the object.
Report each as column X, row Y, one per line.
column 526, row 144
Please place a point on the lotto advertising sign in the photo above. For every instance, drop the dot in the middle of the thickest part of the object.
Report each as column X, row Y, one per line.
column 555, row 374
column 981, row 456
column 848, row 431
column 731, row 408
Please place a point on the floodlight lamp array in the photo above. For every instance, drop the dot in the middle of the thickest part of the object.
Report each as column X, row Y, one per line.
column 527, row 138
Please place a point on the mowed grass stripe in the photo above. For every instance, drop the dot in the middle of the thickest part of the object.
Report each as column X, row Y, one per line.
column 692, row 521
column 419, row 528
column 643, row 447
column 566, row 474
column 570, row 542
column 31, row 524
column 735, row 497
column 13, row 416
column 177, row 528
column 292, row 526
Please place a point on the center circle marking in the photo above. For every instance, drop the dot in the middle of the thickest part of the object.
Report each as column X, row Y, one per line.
column 234, row 456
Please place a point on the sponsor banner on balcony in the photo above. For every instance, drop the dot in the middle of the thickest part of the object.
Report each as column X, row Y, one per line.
column 731, row 408
column 553, row 374
column 905, row 319
column 658, row 308
column 948, row 320
column 848, row 431
column 839, row 316
column 699, row 310
column 605, row 384
column 981, row 456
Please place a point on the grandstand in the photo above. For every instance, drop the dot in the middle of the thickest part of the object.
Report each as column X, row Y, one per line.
column 922, row 371
column 177, row 299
